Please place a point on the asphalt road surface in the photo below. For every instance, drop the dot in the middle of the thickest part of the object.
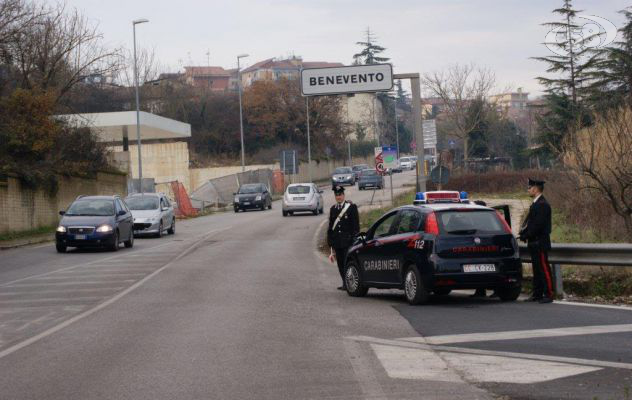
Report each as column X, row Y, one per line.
column 241, row 306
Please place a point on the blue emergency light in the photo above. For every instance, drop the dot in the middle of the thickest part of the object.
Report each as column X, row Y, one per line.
column 463, row 195
column 420, row 196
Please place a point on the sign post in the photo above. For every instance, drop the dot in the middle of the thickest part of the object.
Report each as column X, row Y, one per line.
column 341, row 80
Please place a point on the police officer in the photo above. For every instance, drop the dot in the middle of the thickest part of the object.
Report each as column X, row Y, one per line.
column 536, row 231
column 344, row 226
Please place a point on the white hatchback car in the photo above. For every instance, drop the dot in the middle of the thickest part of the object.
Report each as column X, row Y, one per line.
column 406, row 163
column 302, row 197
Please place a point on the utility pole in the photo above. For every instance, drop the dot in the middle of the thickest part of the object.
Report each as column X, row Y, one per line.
column 309, row 147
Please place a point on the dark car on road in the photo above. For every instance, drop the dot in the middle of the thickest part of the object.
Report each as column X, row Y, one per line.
column 357, row 169
column 252, row 195
column 435, row 248
column 343, row 176
column 370, row 178
column 95, row 221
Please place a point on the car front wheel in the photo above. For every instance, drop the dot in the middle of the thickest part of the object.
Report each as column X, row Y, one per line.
column 353, row 281
column 172, row 228
column 414, row 288
column 115, row 242
column 60, row 248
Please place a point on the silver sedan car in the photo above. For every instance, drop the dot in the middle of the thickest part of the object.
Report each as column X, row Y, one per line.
column 302, row 197
column 153, row 214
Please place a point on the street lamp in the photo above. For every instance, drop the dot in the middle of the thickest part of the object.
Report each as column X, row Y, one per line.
column 241, row 116
column 140, row 162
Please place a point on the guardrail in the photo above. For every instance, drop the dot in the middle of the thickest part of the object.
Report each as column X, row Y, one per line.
column 606, row 254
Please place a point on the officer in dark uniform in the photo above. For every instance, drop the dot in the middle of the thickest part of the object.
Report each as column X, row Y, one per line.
column 536, row 231
column 344, row 226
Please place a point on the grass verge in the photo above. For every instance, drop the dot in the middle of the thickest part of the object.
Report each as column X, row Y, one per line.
column 10, row 236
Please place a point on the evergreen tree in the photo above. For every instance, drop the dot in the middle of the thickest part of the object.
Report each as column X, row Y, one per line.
column 370, row 51
column 565, row 91
column 400, row 94
column 612, row 73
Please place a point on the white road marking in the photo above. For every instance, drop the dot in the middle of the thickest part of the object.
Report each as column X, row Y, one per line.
column 50, row 300
column 407, row 363
column 45, row 284
column 87, row 276
column 106, row 303
column 99, row 289
column 576, row 303
column 83, row 264
column 524, row 334
column 363, row 372
column 463, row 350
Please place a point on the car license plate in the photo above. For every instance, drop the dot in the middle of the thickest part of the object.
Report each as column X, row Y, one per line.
column 246, row 203
column 479, row 268
column 80, row 237
column 299, row 198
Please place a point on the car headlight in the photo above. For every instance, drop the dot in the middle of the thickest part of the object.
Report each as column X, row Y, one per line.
column 61, row 229
column 236, row 199
column 258, row 198
column 104, row 229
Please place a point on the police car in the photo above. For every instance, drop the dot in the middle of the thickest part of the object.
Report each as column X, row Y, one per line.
column 441, row 243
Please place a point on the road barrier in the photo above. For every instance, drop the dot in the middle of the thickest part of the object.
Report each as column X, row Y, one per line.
column 605, row 254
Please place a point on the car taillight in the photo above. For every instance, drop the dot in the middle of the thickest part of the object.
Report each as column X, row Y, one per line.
column 432, row 227
column 505, row 224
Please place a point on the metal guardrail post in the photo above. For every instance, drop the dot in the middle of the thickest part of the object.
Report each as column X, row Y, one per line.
column 559, row 281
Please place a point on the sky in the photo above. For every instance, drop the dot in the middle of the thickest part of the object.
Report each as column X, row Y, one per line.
column 419, row 35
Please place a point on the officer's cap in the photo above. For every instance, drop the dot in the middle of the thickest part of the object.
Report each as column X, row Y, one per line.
column 535, row 182
column 338, row 189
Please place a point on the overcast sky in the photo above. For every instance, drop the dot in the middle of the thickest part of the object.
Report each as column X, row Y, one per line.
column 420, row 35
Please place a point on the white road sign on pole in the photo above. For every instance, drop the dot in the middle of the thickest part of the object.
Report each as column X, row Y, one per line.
column 353, row 79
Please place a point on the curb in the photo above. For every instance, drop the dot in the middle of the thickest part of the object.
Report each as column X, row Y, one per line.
column 12, row 244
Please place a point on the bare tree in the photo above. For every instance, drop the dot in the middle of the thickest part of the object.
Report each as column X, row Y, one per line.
column 457, row 87
column 600, row 157
column 58, row 50
column 148, row 67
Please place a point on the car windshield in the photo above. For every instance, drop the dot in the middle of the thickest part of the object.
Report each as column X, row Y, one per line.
column 91, row 207
column 369, row 172
column 302, row 189
column 469, row 222
column 404, row 159
column 342, row 170
column 142, row 202
column 360, row 167
column 245, row 189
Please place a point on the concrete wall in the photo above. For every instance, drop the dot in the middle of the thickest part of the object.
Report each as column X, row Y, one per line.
column 23, row 209
column 199, row 176
column 322, row 170
column 364, row 109
column 165, row 162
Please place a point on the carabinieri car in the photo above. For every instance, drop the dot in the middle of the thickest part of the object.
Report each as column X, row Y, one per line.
column 435, row 247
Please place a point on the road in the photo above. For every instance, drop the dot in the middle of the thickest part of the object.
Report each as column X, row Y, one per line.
column 241, row 306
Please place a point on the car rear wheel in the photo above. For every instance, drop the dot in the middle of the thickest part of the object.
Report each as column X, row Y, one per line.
column 270, row 205
column 414, row 289
column 315, row 211
column 509, row 293
column 130, row 242
column 115, row 242
column 284, row 213
column 236, row 210
column 60, row 248
column 172, row 228
column 353, row 281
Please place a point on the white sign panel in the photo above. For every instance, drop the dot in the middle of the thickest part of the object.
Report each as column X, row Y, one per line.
column 353, row 79
column 430, row 133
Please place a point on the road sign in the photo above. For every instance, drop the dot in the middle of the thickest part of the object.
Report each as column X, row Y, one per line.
column 380, row 168
column 430, row 133
column 340, row 80
column 389, row 154
column 451, row 143
column 440, row 175
column 289, row 162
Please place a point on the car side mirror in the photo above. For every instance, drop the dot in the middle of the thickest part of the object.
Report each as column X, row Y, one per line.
column 165, row 209
column 121, row 213
column 362, row 237
column 234, row 193
column 321, row 192
column 62, row 213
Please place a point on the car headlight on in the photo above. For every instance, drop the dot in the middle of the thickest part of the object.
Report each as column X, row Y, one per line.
column 258, row 198
column 236, row 199
column 104, row 229
column 61, row 229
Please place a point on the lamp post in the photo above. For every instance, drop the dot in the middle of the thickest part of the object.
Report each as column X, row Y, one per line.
column 140, row 161
column 241, row 116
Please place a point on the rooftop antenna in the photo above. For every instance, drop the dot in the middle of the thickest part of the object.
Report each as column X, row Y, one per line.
column 208, row 57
